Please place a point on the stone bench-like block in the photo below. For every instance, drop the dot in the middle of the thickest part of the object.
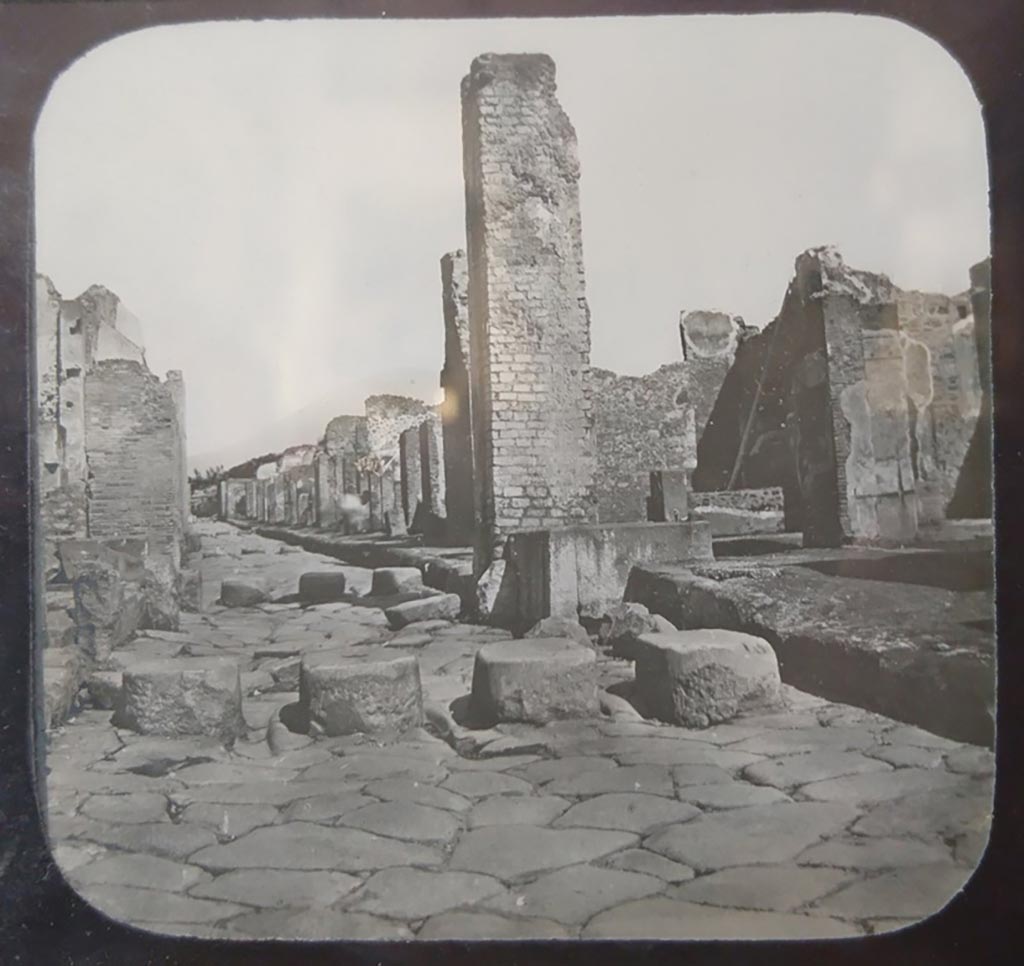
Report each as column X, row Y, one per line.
column 182, row 696
column 440, row 607
column 376, row 691
column 322, row 587
column 538, row 680
column 703, row 677
column 388, row 581
column 238, row 593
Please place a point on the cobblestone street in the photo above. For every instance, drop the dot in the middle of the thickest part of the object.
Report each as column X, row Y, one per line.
column 822, row 820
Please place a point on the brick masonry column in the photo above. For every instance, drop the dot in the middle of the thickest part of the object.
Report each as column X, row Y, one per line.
column 528, row 314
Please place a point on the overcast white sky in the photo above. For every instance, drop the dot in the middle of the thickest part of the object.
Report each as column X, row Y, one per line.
column 272, row 199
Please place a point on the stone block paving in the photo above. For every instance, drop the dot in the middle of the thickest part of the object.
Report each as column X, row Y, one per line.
column 818, row 821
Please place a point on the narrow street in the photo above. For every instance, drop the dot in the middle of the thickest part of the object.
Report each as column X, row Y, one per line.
column 823, row 820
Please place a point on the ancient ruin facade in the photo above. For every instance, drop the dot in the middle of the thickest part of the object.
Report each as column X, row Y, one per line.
column 528, row 317
column 839, row 402
column 111, row 434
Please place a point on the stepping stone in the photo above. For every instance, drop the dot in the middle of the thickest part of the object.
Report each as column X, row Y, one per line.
column 442, row 607
column 279, row 887
column 560, row 627
column 236, row 593
column 322, row 587
column 661, row 918
column 780, row 888
column 537, row 680
column 377, row 692
column 576, row 894
column 484, row 925
column 514, row 851
column 416, row 894
column 182, row 696
column 627, row 812
column 388, row 581
column 700, row 678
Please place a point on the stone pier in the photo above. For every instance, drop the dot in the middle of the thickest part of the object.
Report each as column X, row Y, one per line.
column 528, row 315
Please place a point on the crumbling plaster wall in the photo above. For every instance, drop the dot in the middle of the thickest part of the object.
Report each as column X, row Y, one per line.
column 641, row 423
column 529, row 321
column 456, row 411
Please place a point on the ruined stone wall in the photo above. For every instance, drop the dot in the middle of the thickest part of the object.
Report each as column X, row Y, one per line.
column 972, row 496
column 432, row 468
column 411, row 472
column 175, row 383
column 386, row 418
column 133, row 446
column 456, row 413
column 709, row 340
column 641, row 423
column 940, row 360
column 529, row 320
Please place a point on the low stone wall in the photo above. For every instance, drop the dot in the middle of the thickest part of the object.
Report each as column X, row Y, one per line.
column 582, row 571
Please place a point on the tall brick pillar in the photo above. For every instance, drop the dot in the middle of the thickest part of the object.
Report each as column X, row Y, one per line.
column 176, row 387
column 528, row 316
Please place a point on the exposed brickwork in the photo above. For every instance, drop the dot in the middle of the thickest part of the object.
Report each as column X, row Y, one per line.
column 641, row 423
column 529, row 321
column 132, row 441
column 456, row 412
column 768, row 498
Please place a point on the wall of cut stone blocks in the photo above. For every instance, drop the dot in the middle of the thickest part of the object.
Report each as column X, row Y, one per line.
column 432, row 468
column 529, row 321
column 411, row 472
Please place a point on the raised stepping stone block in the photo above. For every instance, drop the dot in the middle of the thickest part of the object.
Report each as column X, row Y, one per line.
column 322, row 587
column 441, row 607
column 237, row 593
column 538, row 680
column 377, row 691
column 183, row 696
column 699, row 678
column 388, row 581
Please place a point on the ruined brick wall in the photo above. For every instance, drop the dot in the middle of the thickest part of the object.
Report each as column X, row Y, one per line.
column 767, row 498
column 456, row 412
column 529, row 320
column 175, row 383
column 386, row 417
column 940, row 360
column 132, row 444
column 641, row 423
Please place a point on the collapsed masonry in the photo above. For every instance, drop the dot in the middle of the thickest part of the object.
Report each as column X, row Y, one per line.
column 858, row 414
column 112, row 483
